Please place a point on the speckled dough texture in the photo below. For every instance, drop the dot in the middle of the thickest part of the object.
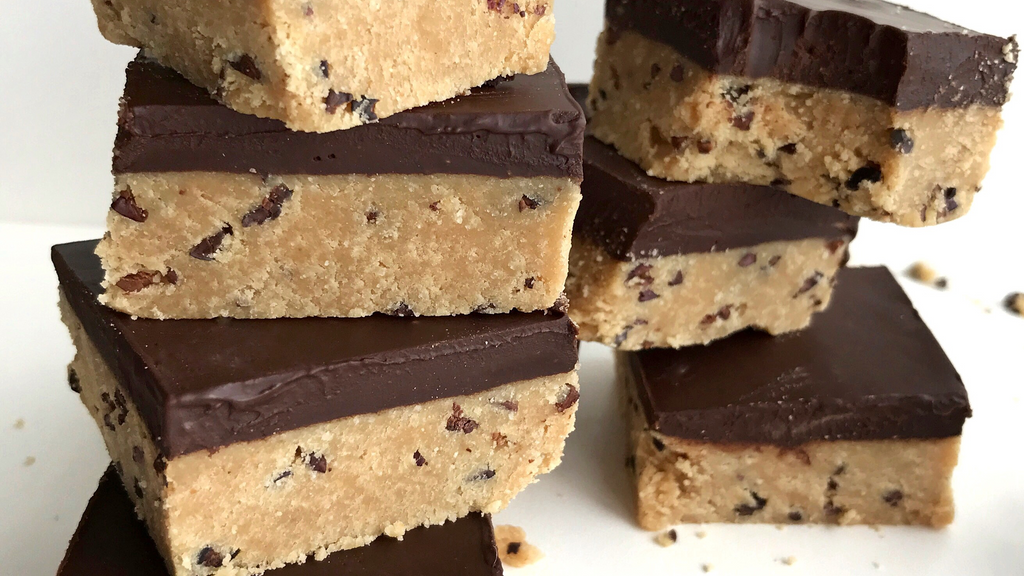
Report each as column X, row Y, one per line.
column 883, row 482
column 323, row 65
column 227, row 245
column 680, row 122
column 686, row 299
column 304, row 493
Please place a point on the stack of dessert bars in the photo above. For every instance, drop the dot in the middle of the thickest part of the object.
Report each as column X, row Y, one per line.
column 731, row 148
column 328, row 308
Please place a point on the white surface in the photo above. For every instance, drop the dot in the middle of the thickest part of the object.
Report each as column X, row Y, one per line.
column 59, row 90
column 580, row 515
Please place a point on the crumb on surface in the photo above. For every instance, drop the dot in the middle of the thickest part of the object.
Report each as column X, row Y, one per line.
column 924, row 273
column 666, row 539
column 513, row 549
column 19, row 423
column 789, row 560
column 1015, row 303
column 701, row 534
column 707, row 567
column 30, row 460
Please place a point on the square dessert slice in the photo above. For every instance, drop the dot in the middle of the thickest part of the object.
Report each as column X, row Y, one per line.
column 459, row 206
column 111, row 541
column 877, row 109
column 265, row 441
column 323, row 65
column 855, row 420
column 669, row 264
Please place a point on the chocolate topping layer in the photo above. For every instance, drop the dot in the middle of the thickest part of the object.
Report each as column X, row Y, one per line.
column 632, row 215
column 201, row 384
column 526, row 126
column 894, row 54
column 867, row 369
column 112, row 541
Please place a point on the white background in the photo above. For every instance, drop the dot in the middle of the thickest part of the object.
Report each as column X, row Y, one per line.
column 59, row 86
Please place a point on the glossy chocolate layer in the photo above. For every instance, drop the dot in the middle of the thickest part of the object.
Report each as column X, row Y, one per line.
column 904, row 58
column 527, row 126
column 112, row 541
column 201, row 384
column 867, row 369
column 632, row 215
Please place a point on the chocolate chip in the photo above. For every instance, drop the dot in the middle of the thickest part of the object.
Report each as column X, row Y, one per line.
column 530, row 283
column 325, row 68
column 366, row 108
column 457, row 422
column 495, row 5
column 485, row 307
column 540, row 9
column 137, row 486
column 774, row 260
column 269, row 208
column 646, row 295
column 510, row 405
column 307, row 10
column 403, row 311
column 744, row 120
column 282, row 476
column 527, row 202
column 245, row 64
column 210, row 558
column 209, row 245
column 513, row 547
column 678, row 73
column 677, row 279
column 748, row 259
column 570, row 399
column 901, row 141
column 871, row 172
column 125, row 205
column 809, row 283
column 679, row 142
column 419, row 459
column 372, row 215
column 138, row 455
column 839, row 470
column 780, row 183
column 335, row 100
column 1014, row 303
column 747, row 509
column 485, row 474
column 832, row 485
column 317, row 462
column 655, row 70
column 951, row 204
column 735, row 93
column 160, row 464
column 658, row 444
column 795, row 516
column 137, row 281
column 723, row 313
column 893, row 498
column 435, row 206
column 831, row 509
column 705, row 146
column 171, row 277
column 622, row 336
column 788, row 148
column 73, row 382
column 834, row 245
column 499, row 439
column 641, row 272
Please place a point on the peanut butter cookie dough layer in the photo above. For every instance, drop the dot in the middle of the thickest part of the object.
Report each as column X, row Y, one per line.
column 449, row 209
column 326, row 65
column 338, row 431
column 110, row 539
column 855, row 420
column 669, row 264
column 885, row 113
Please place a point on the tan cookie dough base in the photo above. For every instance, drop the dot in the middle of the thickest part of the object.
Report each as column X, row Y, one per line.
column 262, row 504
column 404, row 53
column 884, row 482
column 717, row 295
column 344, row 246
column 689, row 125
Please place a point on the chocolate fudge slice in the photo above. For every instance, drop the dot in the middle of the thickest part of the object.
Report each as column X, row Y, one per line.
column 460, row 206
column 856, row 420
column 668, row 264
column 267, row 441
column 112, row 541
column 880, row 110
column 323, row 65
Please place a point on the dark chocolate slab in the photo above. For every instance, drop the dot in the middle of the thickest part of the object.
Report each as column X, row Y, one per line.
column 632, row 215
column 904, row 58
column 112, row 541
column 867, row 369
column 526, row 126
column 202, row 384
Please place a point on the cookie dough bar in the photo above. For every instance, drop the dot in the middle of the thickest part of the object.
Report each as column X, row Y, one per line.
column 668, row 264
column 856, row 420
column 440, row 211
column 354, row 429
column 907, row 143
column 323, row 65
column 110, row 539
